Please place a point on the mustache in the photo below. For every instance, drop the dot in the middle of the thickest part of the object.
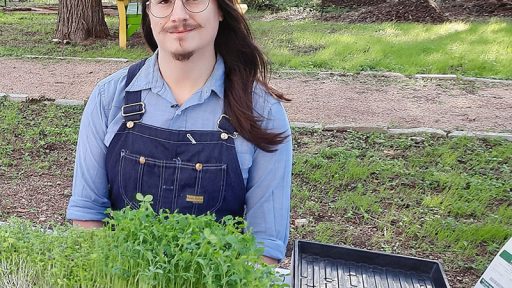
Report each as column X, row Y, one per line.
column 181, row 27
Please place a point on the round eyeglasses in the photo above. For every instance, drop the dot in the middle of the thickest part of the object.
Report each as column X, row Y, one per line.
column 163, row 8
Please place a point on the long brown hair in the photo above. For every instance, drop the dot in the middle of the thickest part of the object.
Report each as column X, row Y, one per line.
column 245, row 67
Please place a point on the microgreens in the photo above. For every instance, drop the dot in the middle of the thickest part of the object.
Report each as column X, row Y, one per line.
column 136, row 248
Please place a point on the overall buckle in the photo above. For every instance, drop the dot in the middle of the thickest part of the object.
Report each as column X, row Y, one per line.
column 224, row 132
column 142, row 111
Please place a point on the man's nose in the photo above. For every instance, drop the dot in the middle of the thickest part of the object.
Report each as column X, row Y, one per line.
column 179, row 12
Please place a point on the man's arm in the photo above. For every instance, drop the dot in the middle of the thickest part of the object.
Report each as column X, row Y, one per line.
column 269, row 260
column 87, row 224
column 268, row 189
column 89, row 198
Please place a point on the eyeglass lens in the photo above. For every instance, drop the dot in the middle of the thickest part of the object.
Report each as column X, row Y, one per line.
column 163, row 8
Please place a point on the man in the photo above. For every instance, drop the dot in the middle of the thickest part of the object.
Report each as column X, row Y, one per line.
column 196, row 125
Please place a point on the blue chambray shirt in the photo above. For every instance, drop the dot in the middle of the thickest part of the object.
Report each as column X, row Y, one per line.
column 267, row 175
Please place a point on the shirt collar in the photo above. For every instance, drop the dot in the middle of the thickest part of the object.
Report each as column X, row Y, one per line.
column 149, row 77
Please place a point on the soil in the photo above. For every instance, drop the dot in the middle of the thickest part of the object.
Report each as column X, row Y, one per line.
column 401, row 11
column 368, row 11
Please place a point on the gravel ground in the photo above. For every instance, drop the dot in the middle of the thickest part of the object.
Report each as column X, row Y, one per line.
column 325, row 98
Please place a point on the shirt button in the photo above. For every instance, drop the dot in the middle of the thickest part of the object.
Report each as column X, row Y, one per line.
column 129, row 124
column 223, row 136
column 142, row 160
column 199, row 166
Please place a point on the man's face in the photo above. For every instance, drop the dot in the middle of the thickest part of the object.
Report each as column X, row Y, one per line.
column 184, row 33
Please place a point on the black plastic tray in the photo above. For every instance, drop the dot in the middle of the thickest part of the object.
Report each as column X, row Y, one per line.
column 318, row 265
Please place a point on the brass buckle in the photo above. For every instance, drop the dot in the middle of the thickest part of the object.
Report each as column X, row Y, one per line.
column 133, row 113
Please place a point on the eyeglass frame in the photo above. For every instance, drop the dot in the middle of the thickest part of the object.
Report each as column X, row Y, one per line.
column 148, row 4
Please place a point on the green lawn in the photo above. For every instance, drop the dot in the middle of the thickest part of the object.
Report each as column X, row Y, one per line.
column 480, row 49
column 439, row 198
column 470, row 49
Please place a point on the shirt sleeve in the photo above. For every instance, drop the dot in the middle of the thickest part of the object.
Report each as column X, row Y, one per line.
column 89, row 198
column 268, row 188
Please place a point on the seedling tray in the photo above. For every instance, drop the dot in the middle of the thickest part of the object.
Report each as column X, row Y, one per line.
column 318, row 265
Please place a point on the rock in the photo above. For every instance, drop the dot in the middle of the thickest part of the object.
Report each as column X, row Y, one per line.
column 420, row 130
column 481, row 134
column 68, row 102
column 417, row 140
column 301, row 222
column 436, row 76
column 306, row 125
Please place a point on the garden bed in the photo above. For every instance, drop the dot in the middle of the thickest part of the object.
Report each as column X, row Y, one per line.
column 428, row 197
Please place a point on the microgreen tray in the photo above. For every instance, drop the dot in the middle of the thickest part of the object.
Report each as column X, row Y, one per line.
column 318, row 265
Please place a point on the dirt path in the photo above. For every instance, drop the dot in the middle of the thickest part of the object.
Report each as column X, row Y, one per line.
column 360, row 100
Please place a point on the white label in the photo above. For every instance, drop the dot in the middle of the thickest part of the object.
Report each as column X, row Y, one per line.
column 499, row 273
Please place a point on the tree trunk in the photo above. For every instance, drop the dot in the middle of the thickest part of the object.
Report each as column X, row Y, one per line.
column 80, row 20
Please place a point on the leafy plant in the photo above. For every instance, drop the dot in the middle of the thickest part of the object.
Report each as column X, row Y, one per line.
column 136, row 248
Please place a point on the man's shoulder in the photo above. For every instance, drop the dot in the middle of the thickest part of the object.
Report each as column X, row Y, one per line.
column 116, row 79
column 263, row 100
column 109, row 90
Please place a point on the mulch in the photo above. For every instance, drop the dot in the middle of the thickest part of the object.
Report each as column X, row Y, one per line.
column 401, row 11
column 373, row 11
column 479, row 8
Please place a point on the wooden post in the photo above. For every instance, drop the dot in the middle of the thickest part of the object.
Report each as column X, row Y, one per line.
column 121, row 8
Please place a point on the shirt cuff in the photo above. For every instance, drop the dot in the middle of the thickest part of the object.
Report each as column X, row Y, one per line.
column 272, row 248
column 85, row 209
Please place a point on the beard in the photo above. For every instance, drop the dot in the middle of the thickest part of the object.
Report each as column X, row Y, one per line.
column 182, row 57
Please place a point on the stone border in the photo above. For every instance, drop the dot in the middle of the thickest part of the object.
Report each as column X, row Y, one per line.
column 76, row 58
column 25, row 98
column 396, row 75
column 319, row 126
column 403, row 131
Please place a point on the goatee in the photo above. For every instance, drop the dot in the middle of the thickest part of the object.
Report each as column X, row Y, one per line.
column 182, row 57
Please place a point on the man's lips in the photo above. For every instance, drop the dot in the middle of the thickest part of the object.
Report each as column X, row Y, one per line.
column 181, row 31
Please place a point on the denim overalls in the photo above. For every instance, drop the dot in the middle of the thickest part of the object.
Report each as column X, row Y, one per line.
column 191, row 171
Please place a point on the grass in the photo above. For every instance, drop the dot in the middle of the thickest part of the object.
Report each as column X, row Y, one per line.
column 441, row 198
column 471, row 49
column 31, row 34
column 480, row 49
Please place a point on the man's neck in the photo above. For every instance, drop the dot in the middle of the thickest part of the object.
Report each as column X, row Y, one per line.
column 185, row 77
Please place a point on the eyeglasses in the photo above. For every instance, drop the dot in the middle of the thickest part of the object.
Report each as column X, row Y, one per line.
column 163, row 8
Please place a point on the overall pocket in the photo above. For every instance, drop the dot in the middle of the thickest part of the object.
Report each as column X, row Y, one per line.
column 200, row 187
column 190, row 188
column 139, row 174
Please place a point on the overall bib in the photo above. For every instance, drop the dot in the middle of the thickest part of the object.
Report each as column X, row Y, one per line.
column 188, row 171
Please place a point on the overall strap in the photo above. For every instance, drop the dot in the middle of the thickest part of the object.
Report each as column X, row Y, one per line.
column 133, row 108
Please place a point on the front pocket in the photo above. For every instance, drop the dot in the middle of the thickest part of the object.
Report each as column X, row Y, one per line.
column 139, row 174
column 190, row 188
column 200, row 187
